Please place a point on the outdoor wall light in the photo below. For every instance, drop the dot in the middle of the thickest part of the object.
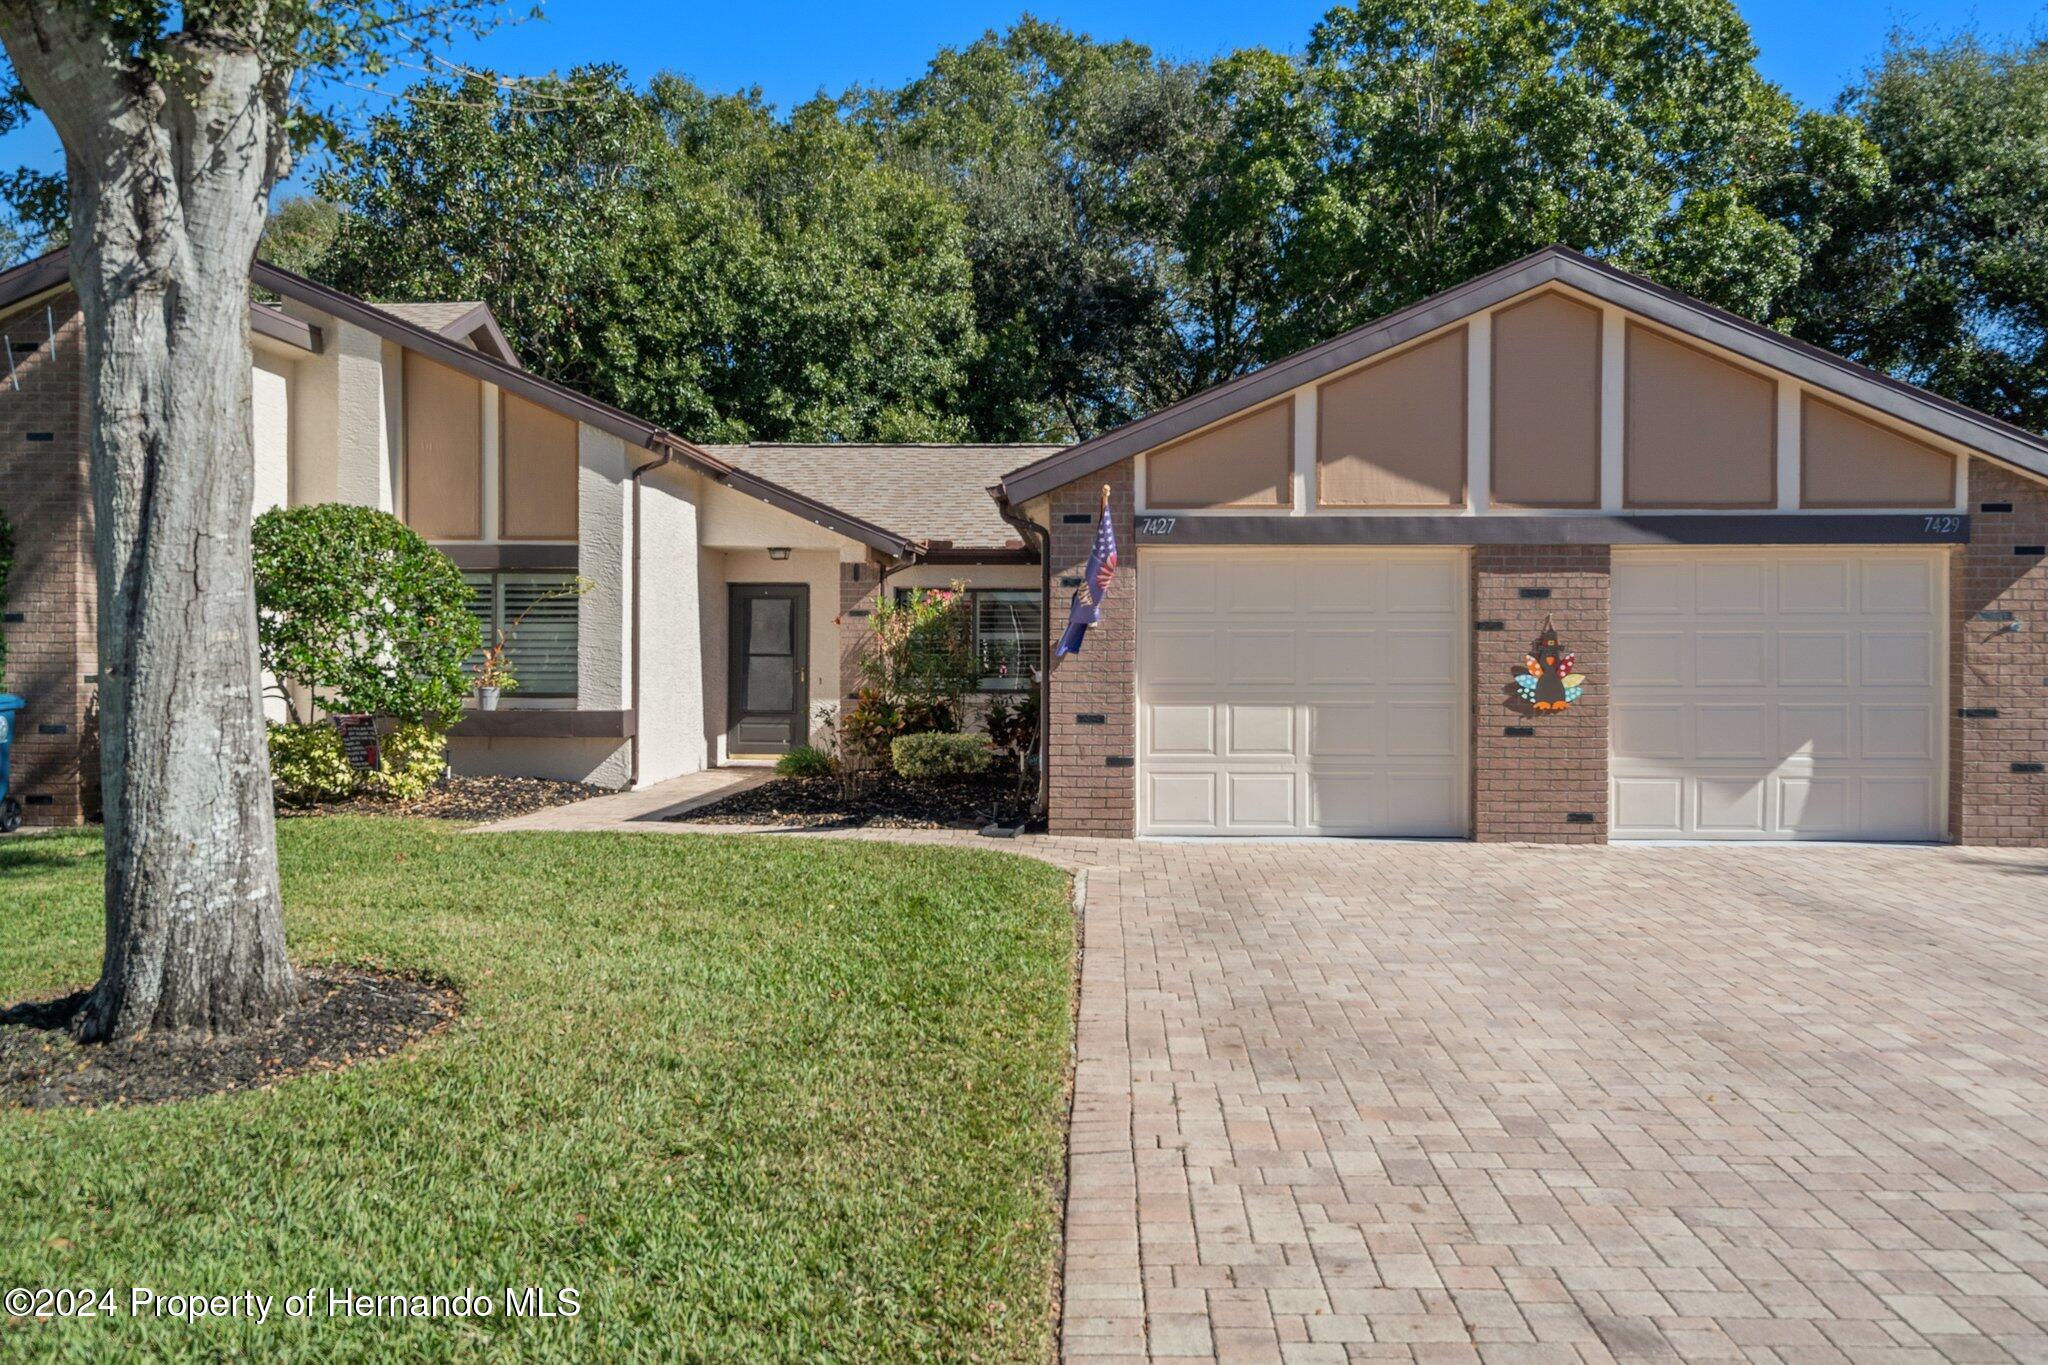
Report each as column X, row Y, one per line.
column 778, row 552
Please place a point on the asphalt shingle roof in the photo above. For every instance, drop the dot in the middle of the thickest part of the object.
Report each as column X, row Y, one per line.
column 921, row 492
column 432, row 316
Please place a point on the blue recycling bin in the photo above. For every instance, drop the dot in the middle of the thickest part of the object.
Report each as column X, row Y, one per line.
column 10, row 809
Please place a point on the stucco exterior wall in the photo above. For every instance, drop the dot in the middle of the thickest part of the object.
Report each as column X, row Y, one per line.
column 270, row 395
column 671, row 700
column 817, row 570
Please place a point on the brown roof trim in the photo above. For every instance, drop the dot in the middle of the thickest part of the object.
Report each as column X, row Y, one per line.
column 1556, row 264
column 568, row 402
column 52, row 270
column 482, row 319
column 968, row 554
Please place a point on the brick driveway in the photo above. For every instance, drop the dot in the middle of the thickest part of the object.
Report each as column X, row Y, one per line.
column 1344, row 1101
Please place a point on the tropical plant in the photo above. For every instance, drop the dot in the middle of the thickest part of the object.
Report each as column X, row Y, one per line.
column 868, row 727
column 1013, row 728
column 357, row 612
column 939, row 755
column 920, row 650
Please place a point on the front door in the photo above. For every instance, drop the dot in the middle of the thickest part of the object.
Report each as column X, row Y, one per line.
column 769, row 688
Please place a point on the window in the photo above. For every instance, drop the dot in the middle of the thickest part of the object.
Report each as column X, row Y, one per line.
column 1008, row 638
column 542, row 647
column 1009, row 635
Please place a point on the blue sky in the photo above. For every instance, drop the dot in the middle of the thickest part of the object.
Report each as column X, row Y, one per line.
column 793, row 49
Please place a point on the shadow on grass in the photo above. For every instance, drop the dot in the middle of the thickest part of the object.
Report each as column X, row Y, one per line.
column 43, row 1016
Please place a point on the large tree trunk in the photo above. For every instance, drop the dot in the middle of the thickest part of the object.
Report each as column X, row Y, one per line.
column 170, row 171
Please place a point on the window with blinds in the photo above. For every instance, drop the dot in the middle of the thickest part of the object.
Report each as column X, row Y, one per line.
column 540, row 631
column 1008, row 638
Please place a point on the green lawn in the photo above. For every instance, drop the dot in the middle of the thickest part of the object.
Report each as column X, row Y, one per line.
column 753, row 1099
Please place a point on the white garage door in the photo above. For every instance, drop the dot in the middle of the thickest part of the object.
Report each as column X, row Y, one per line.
column 1302, row 692
column 1777, row 694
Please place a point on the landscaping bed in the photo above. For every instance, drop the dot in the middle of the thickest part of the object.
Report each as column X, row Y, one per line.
column 882, row 801
column 344, row 1017
column 755, row 1100
column 472, row 800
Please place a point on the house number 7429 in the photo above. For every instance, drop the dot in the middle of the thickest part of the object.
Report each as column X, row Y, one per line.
column 1943, row 526
column 1156, row 526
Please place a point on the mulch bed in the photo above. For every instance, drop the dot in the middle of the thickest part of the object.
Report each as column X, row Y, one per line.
column 883, row 802
column 469, row 799
column 346, row 1017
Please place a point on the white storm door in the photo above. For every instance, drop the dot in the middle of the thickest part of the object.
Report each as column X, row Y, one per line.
column 1297, row 691
column 1777, row 694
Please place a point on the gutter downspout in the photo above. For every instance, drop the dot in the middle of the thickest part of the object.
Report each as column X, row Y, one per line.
column 1041, row 538
column 666, row 457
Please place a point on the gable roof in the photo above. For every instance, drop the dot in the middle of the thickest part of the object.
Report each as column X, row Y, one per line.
column 1822, row 369
column 50, row 270
column 456, row 319
column 933, row 493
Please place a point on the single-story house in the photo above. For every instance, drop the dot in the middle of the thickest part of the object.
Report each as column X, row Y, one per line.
column 1798, row 599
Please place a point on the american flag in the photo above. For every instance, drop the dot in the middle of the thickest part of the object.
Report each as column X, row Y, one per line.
column 1087, row 606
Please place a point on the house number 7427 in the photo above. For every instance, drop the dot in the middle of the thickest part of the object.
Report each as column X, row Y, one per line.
column 1156, row 526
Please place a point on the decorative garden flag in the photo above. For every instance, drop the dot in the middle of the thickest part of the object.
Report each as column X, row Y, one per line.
column 1087, row 606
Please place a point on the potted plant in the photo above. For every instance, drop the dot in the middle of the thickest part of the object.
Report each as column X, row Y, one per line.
column 494, row 675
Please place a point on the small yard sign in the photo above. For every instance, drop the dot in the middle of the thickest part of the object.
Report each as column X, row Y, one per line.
column 358, row 740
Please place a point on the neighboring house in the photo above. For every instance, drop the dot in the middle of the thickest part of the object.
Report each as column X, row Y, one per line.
column 1807, row 600
column 725, row 607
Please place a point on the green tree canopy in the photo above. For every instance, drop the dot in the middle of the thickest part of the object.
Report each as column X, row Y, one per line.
column 1936, row 270
column 689, row 257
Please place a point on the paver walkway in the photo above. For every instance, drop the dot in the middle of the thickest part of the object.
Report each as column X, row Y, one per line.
column 1346, row 1101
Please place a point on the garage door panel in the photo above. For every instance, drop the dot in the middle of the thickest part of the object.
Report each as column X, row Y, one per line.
column 1776, row 695
column 1343, row 729
column 1343, row 658
column 1354, row 587
column 1182, row 800
column 1813, row 729
column 1813, row 587
column 1723, row 732
column 1180, row 657
column 1181, row 587
column 1896, row 731
column 1260, row 801
column 1730, row 658
column 1183, row 729
column 1263, row 658
column 1654, row 807
column 1735, row 587
column 1426, row 658
column 1262, row 589
column 1417, row 587
column 1648, row 731
column 1813, row 658
column 1896, row 588
column 1903, row 658
column 1259, row 730
column 1306, row 714
column 1658, row 657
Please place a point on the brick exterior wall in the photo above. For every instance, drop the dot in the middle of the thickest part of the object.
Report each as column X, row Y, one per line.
column 44, row 490
column 1999, row 665
column 1091, row 781
column 1526, row 787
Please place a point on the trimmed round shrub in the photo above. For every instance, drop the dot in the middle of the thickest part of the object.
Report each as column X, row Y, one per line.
column 308, row 765
column 355, row 608
column 939, row 755
column 805, row 761
column 411, row 762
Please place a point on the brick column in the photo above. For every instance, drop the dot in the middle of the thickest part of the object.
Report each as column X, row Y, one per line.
column 51, row 606
column 1091, row 781
column 1998, row 665
column 1539, row 778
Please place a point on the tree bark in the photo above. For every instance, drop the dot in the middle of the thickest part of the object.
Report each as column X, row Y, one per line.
column 170, row 169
